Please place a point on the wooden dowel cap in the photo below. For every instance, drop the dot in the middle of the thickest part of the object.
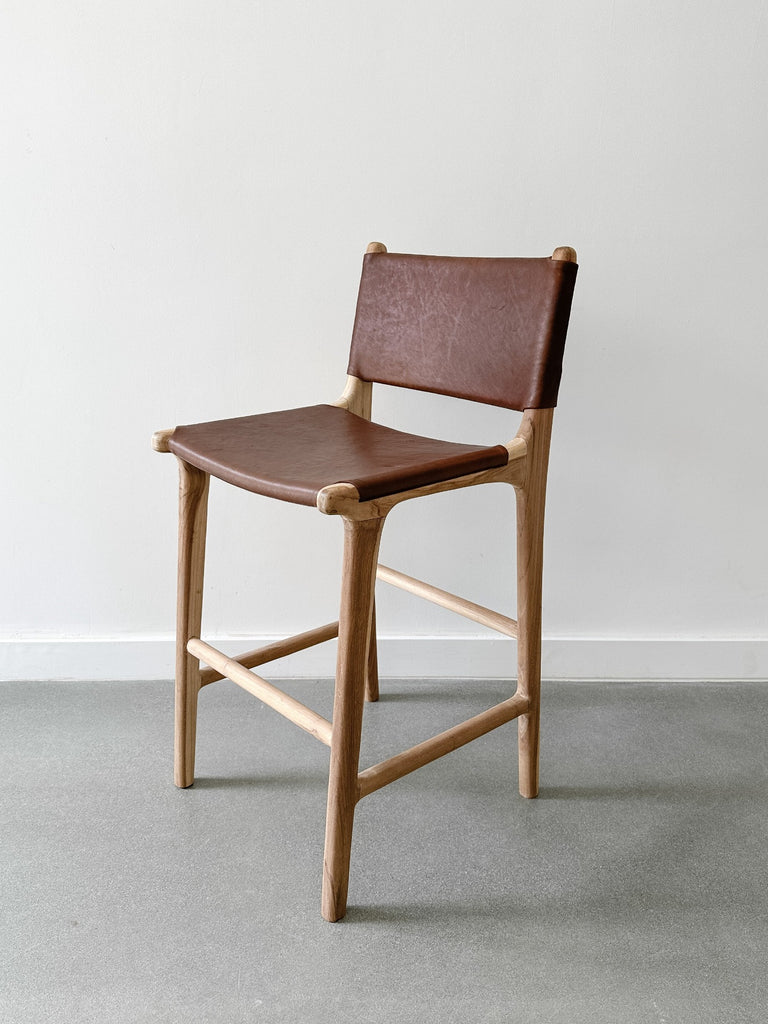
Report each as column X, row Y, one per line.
column 328, row 496
column 565, row 253
column 160, row 440
column 376, row 247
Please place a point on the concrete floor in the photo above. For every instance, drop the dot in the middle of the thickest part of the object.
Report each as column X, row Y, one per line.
column 633, row 890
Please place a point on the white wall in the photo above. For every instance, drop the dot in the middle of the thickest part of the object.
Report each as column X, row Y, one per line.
column 186, row 191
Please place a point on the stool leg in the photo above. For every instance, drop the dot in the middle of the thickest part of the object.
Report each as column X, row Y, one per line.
column 530, row 544
column 361, row 545
column 193, row 510
column 372, row 666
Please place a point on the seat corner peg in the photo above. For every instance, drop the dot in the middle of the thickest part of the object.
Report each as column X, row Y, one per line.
column 160, row 440
column 335, row 499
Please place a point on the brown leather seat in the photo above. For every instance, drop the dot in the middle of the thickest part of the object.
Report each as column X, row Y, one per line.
column 293, row 454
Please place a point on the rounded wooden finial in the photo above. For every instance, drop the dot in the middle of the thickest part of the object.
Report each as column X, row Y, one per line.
column 160, row 440
column 565, row 253
column 376, row 247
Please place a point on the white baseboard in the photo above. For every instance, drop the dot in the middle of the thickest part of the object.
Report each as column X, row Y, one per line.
column 471, row 657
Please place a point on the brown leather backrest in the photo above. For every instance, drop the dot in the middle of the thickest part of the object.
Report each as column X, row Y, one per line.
column 491, row 330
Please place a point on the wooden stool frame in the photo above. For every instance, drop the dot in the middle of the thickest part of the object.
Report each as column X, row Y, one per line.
column 356, row 667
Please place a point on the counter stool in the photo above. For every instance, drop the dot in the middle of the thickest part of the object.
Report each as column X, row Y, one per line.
column 488, row 330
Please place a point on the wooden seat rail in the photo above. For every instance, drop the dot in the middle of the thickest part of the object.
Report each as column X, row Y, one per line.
column 286, row 705
column 396, row 767
column 273, row 652
column 470, row 610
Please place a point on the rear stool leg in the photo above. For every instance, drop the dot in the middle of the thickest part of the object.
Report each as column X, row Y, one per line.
column 372, row 666
column 530, row 560
column 193, row 510
column 361, row 545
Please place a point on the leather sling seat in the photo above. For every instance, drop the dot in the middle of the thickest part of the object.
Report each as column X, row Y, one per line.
column 293, row 454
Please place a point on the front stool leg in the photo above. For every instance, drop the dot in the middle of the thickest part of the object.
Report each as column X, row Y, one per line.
column 361, row 546
column 193, row 512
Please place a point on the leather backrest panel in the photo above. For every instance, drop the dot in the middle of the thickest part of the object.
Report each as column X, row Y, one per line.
column 491, row 330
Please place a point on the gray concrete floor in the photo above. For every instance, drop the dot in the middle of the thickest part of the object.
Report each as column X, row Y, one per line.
column 632, row 890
